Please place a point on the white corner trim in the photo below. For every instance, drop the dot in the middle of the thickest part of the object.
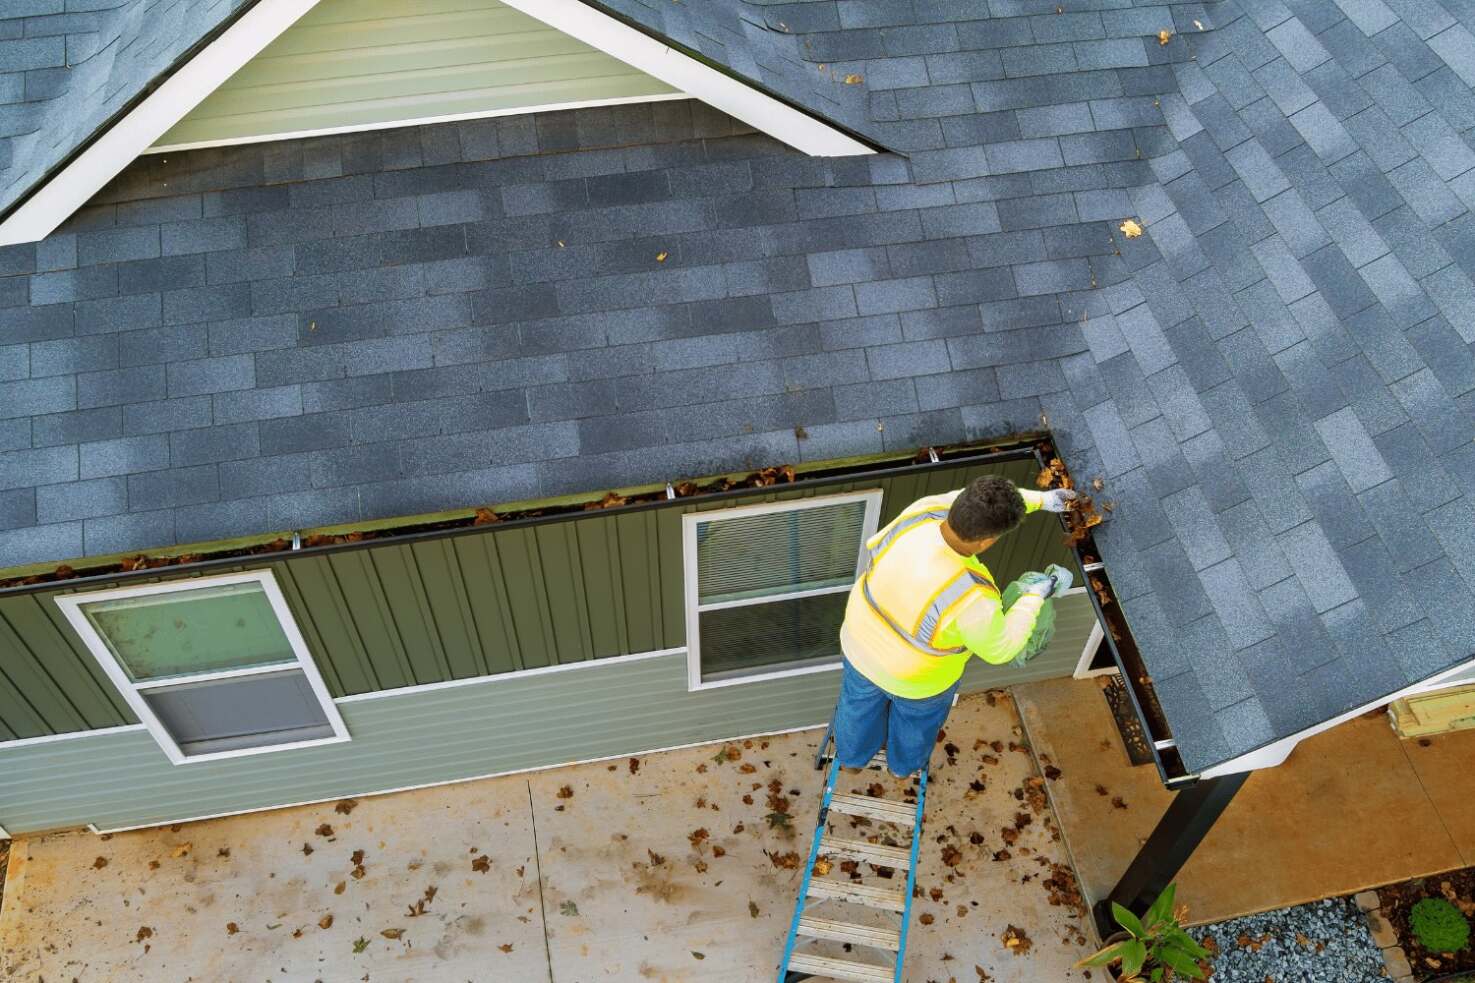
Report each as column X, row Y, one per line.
column 418, row 121
column 758, row 109
column 506, row 677
column 93, row 827
column 1083, row 668
column 70, row 735
column 1275, row 753
column 59, row 198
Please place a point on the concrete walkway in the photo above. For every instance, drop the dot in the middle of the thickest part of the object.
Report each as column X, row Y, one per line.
column 663, row 868
column 1353, row 807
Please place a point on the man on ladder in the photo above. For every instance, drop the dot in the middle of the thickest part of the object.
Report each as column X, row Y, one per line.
column 923, row 604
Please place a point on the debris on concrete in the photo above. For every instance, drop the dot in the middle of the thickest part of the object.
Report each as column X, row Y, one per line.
column 609, row 870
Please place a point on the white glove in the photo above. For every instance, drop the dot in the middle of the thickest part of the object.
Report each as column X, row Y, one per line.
column 1058, row 500
column 1055, row 580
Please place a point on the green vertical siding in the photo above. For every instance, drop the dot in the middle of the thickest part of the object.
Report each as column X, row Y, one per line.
column 425, row 736
column 496, row 600
column 376, row 62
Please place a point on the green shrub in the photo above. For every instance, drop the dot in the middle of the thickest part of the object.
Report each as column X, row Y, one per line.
column 1439, row 926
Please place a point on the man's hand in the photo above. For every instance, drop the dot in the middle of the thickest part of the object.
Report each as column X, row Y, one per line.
column 1055, row 580
column 1058, row 500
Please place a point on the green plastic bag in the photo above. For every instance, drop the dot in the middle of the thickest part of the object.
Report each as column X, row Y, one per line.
column 1044, row 624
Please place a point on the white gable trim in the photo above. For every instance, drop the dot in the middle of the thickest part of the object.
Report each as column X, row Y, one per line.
column 60, row 197
column 1276, row 752
column 758, row 109
column 65, row 192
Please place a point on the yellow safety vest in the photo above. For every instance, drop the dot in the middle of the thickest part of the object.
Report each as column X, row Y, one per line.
column 898, row 614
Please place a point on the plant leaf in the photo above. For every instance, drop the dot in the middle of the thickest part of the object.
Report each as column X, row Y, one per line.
column 1106, row 956
column 1133, row 956
column 1186, row 942
column 1162, row 908
column 1127, row 920
column 1131, row 229
column 1180, row 963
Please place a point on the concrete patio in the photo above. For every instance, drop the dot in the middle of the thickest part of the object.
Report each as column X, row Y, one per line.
column 663, row 868
column 1353, row 807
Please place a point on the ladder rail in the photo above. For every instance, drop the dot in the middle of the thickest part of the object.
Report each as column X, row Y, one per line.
column 906, row 914
column 831, row 777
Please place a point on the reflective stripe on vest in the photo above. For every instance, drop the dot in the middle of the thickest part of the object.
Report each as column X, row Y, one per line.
column 949, row 595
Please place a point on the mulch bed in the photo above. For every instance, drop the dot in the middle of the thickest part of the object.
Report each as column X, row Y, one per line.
column 1458, row 886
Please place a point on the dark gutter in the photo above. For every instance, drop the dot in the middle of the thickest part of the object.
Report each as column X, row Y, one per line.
column 1013, row 450
column 1169, row 763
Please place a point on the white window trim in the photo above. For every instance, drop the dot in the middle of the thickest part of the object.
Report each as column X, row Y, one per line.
column 58, row 198
column 132, row 692
column 689, row 523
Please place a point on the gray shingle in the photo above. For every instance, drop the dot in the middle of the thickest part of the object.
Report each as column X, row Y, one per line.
column 1353, row 450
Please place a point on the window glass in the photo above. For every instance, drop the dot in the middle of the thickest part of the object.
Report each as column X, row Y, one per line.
column 205, row 629
column 240, row 712
column 771, row 584
column 799, row 631
column 760, row 555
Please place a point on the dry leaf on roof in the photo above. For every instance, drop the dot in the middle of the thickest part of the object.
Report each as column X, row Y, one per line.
column 1131, row 229
column 1163, row 37
column 231, row 928
column 346, row 806
column 326, row 922
column 99, row 863
column 360, row 944
column 482, row 864
column 392, row 933
column 661, row 257
column 854, row 79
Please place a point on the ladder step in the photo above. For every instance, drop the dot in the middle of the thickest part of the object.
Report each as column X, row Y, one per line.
column 882, row 809
column 872, row 896
column 839, row 969
column 875, row 853
column 824, row 928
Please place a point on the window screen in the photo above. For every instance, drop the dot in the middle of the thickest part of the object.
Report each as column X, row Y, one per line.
column 771, row 584
column 210, row 666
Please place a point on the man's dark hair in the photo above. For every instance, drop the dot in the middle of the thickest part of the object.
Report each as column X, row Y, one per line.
column 989, row 506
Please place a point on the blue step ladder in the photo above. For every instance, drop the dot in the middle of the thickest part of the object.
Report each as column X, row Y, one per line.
column 889, row 944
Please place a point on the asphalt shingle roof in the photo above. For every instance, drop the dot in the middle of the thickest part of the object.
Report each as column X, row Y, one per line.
column 68, row 66
column 1275, row 380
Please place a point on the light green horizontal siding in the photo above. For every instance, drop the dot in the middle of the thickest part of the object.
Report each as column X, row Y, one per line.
column 375, row 62
column 421, row 737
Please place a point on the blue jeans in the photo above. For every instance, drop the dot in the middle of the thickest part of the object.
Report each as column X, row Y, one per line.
column 867, row 716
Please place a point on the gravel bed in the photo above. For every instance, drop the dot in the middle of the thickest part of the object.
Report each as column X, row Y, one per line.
column 1334, row 926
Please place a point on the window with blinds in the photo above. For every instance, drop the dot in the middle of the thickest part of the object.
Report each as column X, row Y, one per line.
column 214, row 667
column 766, row 585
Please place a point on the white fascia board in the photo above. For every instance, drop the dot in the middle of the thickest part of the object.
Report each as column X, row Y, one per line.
column 680, row 71
column 1276, row 753
column 60, row 197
